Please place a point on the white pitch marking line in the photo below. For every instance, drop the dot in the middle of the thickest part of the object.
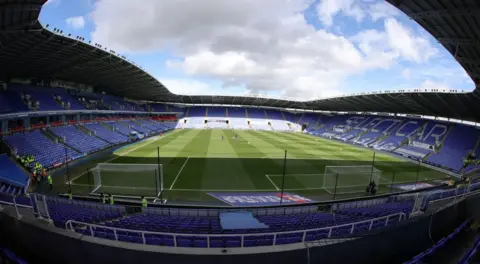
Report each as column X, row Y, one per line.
column 246, row 190
column 274, row 185
column 179, row 172
column 295, row 175
column 121, row 155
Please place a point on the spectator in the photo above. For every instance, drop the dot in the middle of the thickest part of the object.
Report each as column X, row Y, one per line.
column 144, row 202
column 451, row 183
column 110, row 198
column 50, row 181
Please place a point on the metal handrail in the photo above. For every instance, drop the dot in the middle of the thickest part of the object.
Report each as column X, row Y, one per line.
column 69, row 226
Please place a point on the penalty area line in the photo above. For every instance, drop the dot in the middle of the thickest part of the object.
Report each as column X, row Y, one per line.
column 179, row 172
column 274, row 185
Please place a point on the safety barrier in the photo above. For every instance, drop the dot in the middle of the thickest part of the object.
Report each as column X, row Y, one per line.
column 72, row 225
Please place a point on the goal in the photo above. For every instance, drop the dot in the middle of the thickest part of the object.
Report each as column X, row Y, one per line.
column 350, row 179
column 128, row 179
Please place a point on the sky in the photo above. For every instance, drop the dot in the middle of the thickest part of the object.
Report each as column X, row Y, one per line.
column 295, row 49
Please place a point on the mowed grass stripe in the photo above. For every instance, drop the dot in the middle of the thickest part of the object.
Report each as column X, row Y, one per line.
column 147, row 149
column 223, row 168
column 295, row 168
column 148, row 155
column 232, row 164
column 195, row 171
column 254, row 169
column 326, row 149
column 174, row 159
column 300, row 166
column 295, row 150
column 313, row 148
column 380, row 156
column 333, row 148
column 266, row 147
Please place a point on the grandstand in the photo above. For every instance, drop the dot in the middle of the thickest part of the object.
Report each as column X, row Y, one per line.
column 230, row 178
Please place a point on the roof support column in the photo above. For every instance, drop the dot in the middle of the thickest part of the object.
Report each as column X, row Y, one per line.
column 456, row 50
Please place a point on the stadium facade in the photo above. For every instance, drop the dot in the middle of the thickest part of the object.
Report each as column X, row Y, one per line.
column 64, row 100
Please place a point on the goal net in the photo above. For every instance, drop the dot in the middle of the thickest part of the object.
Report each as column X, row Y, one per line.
column 350, row 179
column 127, row 179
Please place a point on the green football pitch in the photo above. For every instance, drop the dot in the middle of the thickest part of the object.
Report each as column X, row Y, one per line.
column 197, row 162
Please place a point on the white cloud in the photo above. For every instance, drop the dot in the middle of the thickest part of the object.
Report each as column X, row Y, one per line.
column 327, row 9
column 411, row 47
column 239, row 44
column 396, row 42
column 356, row 9
column 77, row 22
column 382, row 10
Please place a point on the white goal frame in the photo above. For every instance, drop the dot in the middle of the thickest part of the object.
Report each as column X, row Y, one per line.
column 363, row 171
column 128, row 167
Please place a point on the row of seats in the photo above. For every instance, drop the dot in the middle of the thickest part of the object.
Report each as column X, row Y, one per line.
column 106, row 134
column 49, row 153
column 158, row 227
column 59, row 99
column 12, row 177
column 11, row 189
column 62, row 210
column 46, row 151
column 79, row 140
column 229, row 240
column 423, row 257
column 471, row 253
column 440, row 144
column 380, row 209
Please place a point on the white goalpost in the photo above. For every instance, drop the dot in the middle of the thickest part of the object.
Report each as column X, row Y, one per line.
column 128, row 179
column 350, row 179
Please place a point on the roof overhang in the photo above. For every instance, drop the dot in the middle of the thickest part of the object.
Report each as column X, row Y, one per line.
column 30, row 51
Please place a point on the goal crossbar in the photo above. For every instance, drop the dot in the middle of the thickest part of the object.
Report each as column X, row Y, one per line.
column 350, row 179
column 128, row 176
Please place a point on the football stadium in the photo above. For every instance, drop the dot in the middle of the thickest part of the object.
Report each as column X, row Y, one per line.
column 100, row 162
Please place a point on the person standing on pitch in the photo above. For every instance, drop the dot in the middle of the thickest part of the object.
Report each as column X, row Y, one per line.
column 50, row 181
column 111, row 199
